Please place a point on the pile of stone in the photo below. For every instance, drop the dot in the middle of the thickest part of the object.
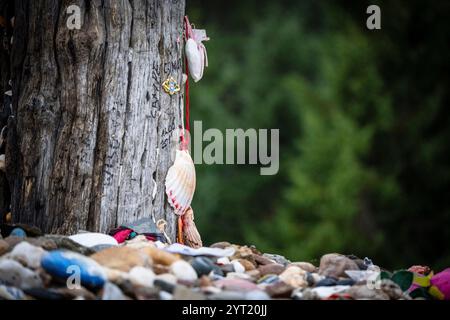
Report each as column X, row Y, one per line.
column 94, row 266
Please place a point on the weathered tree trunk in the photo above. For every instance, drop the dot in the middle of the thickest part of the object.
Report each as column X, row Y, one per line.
column 91, row 126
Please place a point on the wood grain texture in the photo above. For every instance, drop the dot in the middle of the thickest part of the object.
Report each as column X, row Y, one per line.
column 92, row 126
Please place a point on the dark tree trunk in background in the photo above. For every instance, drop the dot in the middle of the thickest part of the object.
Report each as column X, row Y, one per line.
column 91, row 124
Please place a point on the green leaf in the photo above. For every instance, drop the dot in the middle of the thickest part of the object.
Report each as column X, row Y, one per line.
column 403, row 278
column 385, row 275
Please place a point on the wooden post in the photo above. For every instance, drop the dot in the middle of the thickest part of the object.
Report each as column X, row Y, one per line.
column 90, row 135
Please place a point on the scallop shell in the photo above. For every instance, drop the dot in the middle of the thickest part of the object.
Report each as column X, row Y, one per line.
column 180, row 182
column 191, row 236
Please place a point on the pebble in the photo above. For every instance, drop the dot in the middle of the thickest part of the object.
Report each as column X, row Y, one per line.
column 273, row 268
column 164, row 285
column 63, row 242
column 365, row 293
column 318, row 293
column 239, row 275
column 246, row 264
column 204, row 266
column 335, row 265
column 28, row 254
column 294, row 276
column 100, row 247
column 238, row 267
column 4, row 247
column 327, row 282
column 277, row 258
column 256, row 295
column 141, row 276
column 184, row 293
column 220, row 245
column 345, row 282
column 44, row 294
column 279, row 290
column 262, row 260
column 313, row 278
column 254, row 273
column 14, row 274
column 167, row 277
column 308, row 267
column 43, row 242
column 223, row 260
column 163, row 295
column 392, row 290
column 12, row 241
column 63, row 264
column 268, row 279
column 226, row 268
column 129, row 258
column 227, row 295
column 18, row 232
column 11, row 293
column 183, row 271
column 160, row 269
column 76, row 293
column 112, row 292
column 235, row 285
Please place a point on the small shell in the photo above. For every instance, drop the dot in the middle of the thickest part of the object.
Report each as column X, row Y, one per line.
column 180, row 182
column 190, row 233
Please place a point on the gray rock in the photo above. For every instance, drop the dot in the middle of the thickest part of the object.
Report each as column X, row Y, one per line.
column 14, row 274
column 112, row 292
column 363, row 292
column 335, row 265
column 277, row 258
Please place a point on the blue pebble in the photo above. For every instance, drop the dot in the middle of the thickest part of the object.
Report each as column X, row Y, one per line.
column 18, row 232
column 63, row 264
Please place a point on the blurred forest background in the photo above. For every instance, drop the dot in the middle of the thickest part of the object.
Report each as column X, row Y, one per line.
column 364, row 128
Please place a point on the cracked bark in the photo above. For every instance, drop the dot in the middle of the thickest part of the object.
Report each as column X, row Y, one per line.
column 92, row 126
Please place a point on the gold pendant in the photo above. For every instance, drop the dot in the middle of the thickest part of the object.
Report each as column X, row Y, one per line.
column 170, row 86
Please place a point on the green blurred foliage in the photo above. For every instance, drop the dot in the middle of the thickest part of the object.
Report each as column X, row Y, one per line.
column 364, row 130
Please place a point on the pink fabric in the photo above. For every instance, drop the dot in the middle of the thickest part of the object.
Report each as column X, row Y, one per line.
column 122, row 235
column 442, row 281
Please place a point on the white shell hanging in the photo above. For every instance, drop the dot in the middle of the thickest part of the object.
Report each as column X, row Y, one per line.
column 180, row 182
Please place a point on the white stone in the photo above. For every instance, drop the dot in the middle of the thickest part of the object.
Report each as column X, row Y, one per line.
column 141, row 276
column 167, row 277
column 183, row 271
column 238, row 267
column 28, row 254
